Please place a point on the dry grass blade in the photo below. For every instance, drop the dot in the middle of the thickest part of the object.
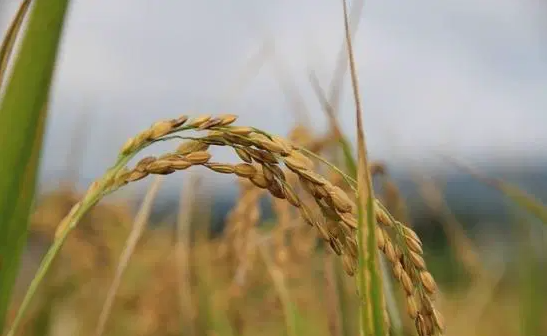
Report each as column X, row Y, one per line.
column 139, row 225
column 464, row 248
column 477, row 299
column 334, row 125
column 187, row 203
column 281, row 288
column 250, row 71
column 334, row 317
column 370, row 282
column 341, row 66
column 289, row 88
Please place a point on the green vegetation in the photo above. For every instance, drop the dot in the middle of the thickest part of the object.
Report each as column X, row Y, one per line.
column 23, row 112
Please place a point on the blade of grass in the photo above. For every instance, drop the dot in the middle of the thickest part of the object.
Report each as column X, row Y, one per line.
column 477, row 299
column 10, row 259
column 22, row 119
column 530, row 266
column 288, row 85
column 337, row 83
column 530, row 284
column 186, row 207
column 365, row 205
column 289, row 308
column 514, row 193
column 334, row 316
column 139, row 224
column 250, row 70
column 464, row 249
column 8, row 43
column 281, row 72
column 210, row 320
column 351, row 165
column 347, row 307
column 391, row 301
column 523, row 199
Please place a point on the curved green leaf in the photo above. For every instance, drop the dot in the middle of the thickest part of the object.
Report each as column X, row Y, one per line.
column 23, row 114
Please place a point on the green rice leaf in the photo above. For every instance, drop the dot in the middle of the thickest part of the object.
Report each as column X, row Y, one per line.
column 23, row 114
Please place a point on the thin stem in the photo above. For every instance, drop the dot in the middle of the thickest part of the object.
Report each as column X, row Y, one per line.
column 182, row 247
column 349, row 180
column 67, row 224
column 136, row 232
column 365, row 208
column 281, row 288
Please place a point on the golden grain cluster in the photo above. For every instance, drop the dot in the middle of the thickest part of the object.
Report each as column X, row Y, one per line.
column 274, row 164
column 290, row 173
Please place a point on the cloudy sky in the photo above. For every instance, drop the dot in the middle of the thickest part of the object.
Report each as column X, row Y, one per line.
column 466, row 77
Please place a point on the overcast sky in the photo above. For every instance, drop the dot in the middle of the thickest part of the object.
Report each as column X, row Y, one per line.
column 468, row 77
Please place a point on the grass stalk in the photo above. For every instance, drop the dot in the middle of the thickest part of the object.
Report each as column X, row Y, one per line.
column 464, row 249
column 518, row 196
column 334, row 317
column 289, row 308
column 351, row 166
column 371, row 287
column 347, row 312
column 139, row 224
column 69, row 222
column 337, row 83
column 349, row 160
column 187, row 204
column 531, row 280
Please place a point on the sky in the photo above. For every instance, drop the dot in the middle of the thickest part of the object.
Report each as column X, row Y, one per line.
column 462, row 77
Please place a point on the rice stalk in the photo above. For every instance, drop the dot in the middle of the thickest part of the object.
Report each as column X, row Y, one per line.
column 350, row 163
column 370, row 283
column 251, row 69
column 531, row 274
column 264, row 155
column 288, row 86
column 289, row 307
column 237, row 249
column 393, row 199
column 477, row 298
column 335, row 127
column 334, row 317
column 404, row 252
column 348, row 312
column 182, row 248
column 283, row 214
column 139, row 224
column 343, row 59
column 464, row 249
column 521, row 198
